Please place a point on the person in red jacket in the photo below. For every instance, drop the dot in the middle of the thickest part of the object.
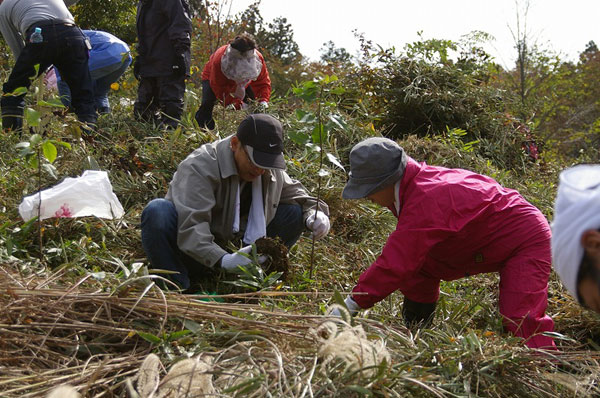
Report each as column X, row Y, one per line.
column 452, row 223
column 235, row 74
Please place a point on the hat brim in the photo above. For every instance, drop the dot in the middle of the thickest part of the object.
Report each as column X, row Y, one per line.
column 266, row 160
column 356, row 190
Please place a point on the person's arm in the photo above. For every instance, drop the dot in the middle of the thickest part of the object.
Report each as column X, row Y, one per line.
column 11, row 35
column 262, row 85
column 404, row 253
column 180, row 31
column 293, row 192
column 192, row 192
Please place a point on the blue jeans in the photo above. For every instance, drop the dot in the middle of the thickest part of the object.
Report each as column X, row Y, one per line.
column 101, row 86
column 159, row 237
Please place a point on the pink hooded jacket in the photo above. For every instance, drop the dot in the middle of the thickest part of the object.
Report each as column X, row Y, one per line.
column 452, row 223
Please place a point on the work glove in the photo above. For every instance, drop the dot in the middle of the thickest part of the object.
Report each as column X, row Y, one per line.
column 232, row 262
column 263, row 105
column 318, row 223
column 179, row 65
column 353, row 308
column 136, row 68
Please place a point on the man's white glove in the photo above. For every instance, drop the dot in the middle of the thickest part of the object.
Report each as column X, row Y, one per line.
column 319, row 225
column 350, row 304
column 232, row 262
column 263, row 104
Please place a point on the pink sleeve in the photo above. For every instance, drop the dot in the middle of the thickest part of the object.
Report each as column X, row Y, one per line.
column 402, row 257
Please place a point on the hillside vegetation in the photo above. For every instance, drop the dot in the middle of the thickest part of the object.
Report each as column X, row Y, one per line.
column 79, row 306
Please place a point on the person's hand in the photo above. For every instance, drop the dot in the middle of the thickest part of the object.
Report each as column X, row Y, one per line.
column 352, row 306
column 232, row 262
column 262, row 105
column 136, row 68
column 318, row 223
column 179, row 65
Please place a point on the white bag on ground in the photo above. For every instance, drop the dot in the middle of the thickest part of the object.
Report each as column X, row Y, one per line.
column 88, row 195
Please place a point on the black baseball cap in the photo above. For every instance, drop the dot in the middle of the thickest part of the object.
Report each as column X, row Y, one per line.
column 262, row 135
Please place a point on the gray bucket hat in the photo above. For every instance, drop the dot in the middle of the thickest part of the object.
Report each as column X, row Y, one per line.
column 374, row 164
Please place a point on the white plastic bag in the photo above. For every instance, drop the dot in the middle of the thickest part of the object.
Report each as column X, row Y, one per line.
column 88, row 195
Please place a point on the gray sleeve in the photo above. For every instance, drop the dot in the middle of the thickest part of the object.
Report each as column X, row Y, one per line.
column 294, row 192
column 192, row 192
column 12, row 36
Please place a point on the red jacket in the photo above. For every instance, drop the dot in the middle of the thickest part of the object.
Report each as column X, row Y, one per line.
column 224, row 87
column 452, row 223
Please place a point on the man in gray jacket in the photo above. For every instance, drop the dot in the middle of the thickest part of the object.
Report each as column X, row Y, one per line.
column 232, row 189
column 58, row 41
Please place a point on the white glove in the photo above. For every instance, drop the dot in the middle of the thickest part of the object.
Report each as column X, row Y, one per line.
column 263, row 104
column 232, row 262
column 350, row 304
column 319, row 225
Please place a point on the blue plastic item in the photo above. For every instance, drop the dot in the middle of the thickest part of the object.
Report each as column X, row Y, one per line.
column 36, row 36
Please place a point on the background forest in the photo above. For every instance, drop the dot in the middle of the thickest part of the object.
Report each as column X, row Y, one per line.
column 79, row 307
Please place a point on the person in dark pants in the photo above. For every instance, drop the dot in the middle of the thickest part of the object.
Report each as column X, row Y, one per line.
column 235, row 74
column 61, row 43
column 164, row 37
column 109, row 59
column 234, row 189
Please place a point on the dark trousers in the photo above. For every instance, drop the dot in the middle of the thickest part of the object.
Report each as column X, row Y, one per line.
column 64, row 46
column 204, row 114
column 160, row 99
column 159, row 237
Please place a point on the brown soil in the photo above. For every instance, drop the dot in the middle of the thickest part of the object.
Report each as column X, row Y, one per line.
column 277, row 253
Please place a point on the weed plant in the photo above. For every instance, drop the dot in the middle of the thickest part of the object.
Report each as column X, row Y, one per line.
column 85, row 310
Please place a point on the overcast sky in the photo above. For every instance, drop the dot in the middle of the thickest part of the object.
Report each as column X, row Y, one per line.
column 564, row 26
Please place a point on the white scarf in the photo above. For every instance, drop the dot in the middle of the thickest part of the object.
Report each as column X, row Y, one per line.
column 257, row 226
column 241, row 67
column 576, row 210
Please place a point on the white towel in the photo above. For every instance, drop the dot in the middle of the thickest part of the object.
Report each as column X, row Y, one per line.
column 257, row 226
column 576, row 210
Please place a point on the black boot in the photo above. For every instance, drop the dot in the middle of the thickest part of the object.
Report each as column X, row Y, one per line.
column 417, row 315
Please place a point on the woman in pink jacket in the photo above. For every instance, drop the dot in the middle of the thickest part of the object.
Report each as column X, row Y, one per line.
column 235, row 74
column 452, row 223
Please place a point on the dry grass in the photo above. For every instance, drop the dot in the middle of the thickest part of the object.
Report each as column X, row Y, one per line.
column 96, row 341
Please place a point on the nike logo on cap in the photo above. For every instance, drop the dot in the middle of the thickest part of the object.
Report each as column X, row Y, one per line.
column 272, row 145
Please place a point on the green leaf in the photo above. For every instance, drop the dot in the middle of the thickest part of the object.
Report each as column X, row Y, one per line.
column 298, row 137
column 32, row 160
column 177, row 335
column 149, row 337
column 53, row 102
column 91, row 163
column 61, row 143
column 50, row 169
column 323, row 173
column 18, row 91
column 338, row 299
column 338, row 90
column 319, row 134
column 35, row 139
column 49, row 150
column 334, row 160
column 33, row 117
column 338, row 121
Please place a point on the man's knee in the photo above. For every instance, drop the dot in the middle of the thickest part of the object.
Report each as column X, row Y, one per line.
column 159, row 215
column 288, row 224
